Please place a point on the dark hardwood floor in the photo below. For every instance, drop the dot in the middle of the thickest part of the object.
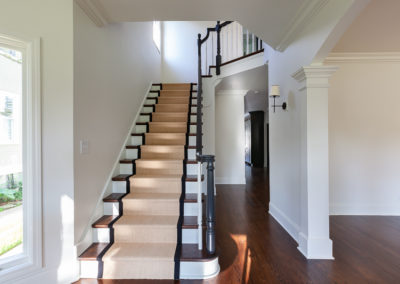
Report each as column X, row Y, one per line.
column 254, row 248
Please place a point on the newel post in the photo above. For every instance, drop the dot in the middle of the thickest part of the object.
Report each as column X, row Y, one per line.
column 210, row 205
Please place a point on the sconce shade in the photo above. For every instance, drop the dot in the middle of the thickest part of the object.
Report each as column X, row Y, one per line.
column 275, row 91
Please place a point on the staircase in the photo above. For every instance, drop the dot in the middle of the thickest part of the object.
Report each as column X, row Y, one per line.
column 149, row 229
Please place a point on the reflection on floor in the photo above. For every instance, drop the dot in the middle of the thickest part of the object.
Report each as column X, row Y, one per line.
column 254, row 248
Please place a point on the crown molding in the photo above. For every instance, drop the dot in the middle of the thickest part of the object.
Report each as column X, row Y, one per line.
column 94, row 11
column 363, row 57
column 308, row 10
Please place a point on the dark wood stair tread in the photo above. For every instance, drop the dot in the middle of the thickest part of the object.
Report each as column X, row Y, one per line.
column 191, row 161
column 194, row 134
column 92, row 252
column 145, row 113
column 120, row 177
column 142, row 123
column 126, row 161
column 148, row 105
column 137, row 134
column 191, row 198
column 193, row 177
column 114, row 197
column 104, row 221
column 190, row 252
column 132, row 147
column 193, row 147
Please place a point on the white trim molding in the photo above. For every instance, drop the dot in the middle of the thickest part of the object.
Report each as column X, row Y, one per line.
column 313, row 238
column 29, row 261
column 94, row 11
column 305, row 14
column 291, row 227
column 363, row 57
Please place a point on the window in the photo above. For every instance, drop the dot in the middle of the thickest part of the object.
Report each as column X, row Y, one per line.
column 157, row 34
column 20, row 165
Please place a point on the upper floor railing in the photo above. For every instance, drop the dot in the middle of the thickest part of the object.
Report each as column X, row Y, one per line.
column 225, row 42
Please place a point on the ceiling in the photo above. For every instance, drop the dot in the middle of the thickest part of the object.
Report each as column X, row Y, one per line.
column 276, row 22
column 376, row 29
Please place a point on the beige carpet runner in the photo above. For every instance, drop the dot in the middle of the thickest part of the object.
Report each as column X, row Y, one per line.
column 145, row 237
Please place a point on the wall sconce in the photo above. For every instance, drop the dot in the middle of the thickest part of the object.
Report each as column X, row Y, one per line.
column 274, row 93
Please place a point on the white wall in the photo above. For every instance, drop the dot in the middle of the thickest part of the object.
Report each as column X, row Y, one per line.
column 113, row 68
column 288, row 170
column 364, row 138
column 52, row 22
column 179, row 50
column 229, row 138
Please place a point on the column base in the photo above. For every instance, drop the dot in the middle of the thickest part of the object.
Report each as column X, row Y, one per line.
column 315, row 248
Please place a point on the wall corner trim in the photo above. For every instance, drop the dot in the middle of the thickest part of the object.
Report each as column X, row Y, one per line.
column 304, row 15
column 94, row 11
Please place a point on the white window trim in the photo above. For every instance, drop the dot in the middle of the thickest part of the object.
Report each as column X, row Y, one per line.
column 30, row 261
column 157, row 41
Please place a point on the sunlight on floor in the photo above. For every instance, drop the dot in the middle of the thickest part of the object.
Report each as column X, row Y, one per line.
column 244, row 255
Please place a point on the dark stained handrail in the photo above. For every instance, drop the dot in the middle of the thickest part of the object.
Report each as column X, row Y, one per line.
column 209, row 159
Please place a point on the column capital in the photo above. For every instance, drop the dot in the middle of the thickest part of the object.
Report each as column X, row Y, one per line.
column 314, row 76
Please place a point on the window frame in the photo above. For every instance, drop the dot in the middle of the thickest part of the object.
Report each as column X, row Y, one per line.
column 30, row 260
column 157, row 41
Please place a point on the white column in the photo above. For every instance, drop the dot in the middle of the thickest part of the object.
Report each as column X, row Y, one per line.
column 314, row 241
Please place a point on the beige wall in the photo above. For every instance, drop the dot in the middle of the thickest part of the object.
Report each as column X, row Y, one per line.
column 51, row 21
column 113, row 68
column 364, row 138
column 375, row 30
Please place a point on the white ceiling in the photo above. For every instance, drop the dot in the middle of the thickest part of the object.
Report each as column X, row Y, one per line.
column 274, row 21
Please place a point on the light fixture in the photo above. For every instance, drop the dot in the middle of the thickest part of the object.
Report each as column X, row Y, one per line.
column 275, row 92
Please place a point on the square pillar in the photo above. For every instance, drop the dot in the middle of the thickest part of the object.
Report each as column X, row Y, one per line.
column 314, row 241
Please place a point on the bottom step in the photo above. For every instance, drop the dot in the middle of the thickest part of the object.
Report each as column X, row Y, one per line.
column 195, row 264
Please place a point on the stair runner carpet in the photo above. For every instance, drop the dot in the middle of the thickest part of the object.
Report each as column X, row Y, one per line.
column 146, row 235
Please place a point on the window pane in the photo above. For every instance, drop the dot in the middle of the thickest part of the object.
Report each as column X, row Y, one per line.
column 157, row 34
column 11, row 178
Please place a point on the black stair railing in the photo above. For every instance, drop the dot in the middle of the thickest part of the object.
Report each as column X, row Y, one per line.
column 208, row 159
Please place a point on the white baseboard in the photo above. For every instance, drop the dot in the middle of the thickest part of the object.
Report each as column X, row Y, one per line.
column 228, row 180
column 315, row 248
column 290, row 227
column 365, row 209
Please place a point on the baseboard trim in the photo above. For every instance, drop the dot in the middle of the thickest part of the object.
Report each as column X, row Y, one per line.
column 365, row 209
column 315, row 248
column 284, row 221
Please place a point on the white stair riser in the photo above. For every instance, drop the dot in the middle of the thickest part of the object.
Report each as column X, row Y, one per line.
column 119, row 186
column 140, row 128
column 150, row 101
column 147, row 109
column 144, row 118
column 125, row 169
column 89, row 268
column 199, row 269
column 191, row 154
column 191, row 169
column 131, row 153
column 136, row 140
column 112, row 208
column 102, row 235
column 193, row 109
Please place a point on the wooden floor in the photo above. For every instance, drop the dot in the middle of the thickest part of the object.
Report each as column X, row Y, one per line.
column 254, row 248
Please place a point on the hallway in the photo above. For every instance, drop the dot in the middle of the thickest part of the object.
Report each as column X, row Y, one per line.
column 254, row 248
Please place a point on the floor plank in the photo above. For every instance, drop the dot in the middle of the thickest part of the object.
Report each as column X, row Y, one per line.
column 254, row 248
